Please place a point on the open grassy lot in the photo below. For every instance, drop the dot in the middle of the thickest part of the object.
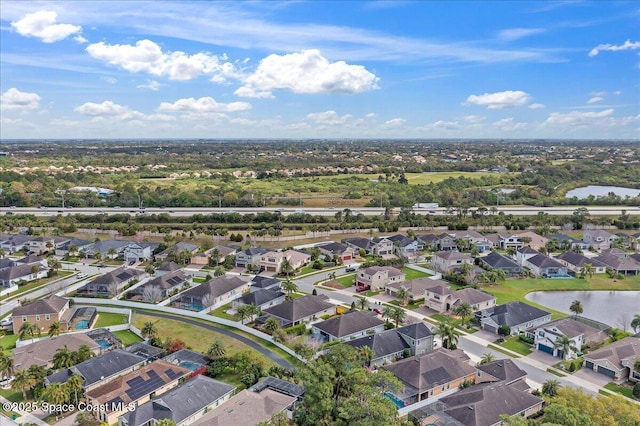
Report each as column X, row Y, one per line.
column 127, row 337
column 196, row 338
column 516, row 289
column 346, row 280
column 412, row 274
column 106, row 319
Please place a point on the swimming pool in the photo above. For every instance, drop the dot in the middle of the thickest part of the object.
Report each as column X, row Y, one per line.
column 399, row 403
column 104, row 344
column 190, row 365
column 193, row 307
column 559, row 276
column 82, row 325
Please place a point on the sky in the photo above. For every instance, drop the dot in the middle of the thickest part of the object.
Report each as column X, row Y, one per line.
column 320, row 69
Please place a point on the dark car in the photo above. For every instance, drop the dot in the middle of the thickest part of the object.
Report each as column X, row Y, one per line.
column 351, row 269
column 101, row 265
column 362, row 288
column 132, row 262
column 377, row 311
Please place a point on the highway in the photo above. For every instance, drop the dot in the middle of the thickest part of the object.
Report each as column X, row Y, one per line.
column 317, row 211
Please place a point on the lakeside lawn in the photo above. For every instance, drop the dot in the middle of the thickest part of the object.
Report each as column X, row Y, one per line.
column 517, row 289
column 106, row 319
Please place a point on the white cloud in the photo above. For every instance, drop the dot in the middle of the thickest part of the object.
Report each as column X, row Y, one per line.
column 442, row 125
column 248, row 92
column 500, row 100
column 110, row 80
column 536, row 106
column 394, row 123
column 627, row 45
column 106, row 108
column 508, row 125
column 151, row 85
column 13, row 99
column 328, row 117
column 42, row 24
column 307, row 72
column 473, row 119
column 511, row 34
column 202, row 105
column 110, row 111
column 577, row 118
column 371, row 115
column 80, row 39
column 595, row 99
column 146, row 56
column 601, row 93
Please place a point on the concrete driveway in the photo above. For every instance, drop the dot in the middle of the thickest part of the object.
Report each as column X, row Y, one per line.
column 592, row 377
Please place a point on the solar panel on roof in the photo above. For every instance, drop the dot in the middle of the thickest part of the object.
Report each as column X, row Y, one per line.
column 135, row 381
column 148, row 386
column 172, row 374
column 116, row 400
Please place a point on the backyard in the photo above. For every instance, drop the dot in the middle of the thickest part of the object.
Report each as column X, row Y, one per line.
column 106, row 319
column 127, row 337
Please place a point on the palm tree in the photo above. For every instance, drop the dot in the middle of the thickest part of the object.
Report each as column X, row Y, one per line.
column 56, row 394
column 218, row 271
column 271, row 325
column 397, row 315
column 386, row 312
column 550, row 387
column 54, row 329
column 6, row 366
column 54, row 264
column 366, row 354
column 215, row 256
column 403, row 294
column 564, row 343
column 588, row 269
column 286, row 268
column 63, row 358
column 74, row 384
column 576, row 307
column 635, row 322
column 28, row 330
column 112, row 252
column 464, row 311
column 149, row 330
column 243, row 312
column 216, row 349
column 83, row 353
column 289, row 288
column 22, row 381
column 487, row 357
column 362, row 303
column 448, row 334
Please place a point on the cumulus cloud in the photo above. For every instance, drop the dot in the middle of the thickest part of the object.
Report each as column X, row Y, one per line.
column 500, row 100
column 202, row 105
column 148, row 57
column 536, row 106
column 110, row 111
column 15, row 100
column 328, row 117
column 394, row 123
column 442, row 125
column 627, row 45
column 508, row 125
column 151, row 85
column 248, row 92
column 307, row 72
column 595, row 99
column 473, row 119
column 577, row 118
column 511, row 34
column 42, row 24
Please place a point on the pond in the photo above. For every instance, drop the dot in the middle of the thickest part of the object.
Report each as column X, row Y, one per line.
column 613, row 308
column 602, row 191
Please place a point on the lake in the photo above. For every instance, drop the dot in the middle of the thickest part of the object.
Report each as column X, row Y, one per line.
column 610, row 307
column 602, row 191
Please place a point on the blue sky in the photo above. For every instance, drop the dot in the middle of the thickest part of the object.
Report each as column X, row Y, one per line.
column 316, row 69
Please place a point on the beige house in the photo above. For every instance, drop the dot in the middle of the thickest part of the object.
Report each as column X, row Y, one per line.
column 272, row 261
column 379, row 276
column 42, row 313
column 445, row 261
column 441, row 299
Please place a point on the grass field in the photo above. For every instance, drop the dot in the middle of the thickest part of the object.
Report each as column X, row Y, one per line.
column 8, row 341
column 106, row 319
column 220, row 312
column 127, row 337
column 412, row 274
column 346, row 280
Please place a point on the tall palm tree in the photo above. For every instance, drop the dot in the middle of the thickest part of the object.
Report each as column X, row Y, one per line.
column 366, row 354
column 6, row 365
column 74, row 384
column 589, row 269
column 56, row 394
column 28, row 330
column 576, row 307
column 289, row 288
column 448, row 334
column 149, row 330
column 22, row 381
column 83, row 353
column 397, row 315
column 362, row 303
column 216, row 349
column 63, row 358
column 54, row 329
column 464, row 311
column 403, row 294
column 286, row 268
column 550, row 387
column 271, row 325
column 635, row 322
column 565, row 344
column 487, row 357
column 243, row 312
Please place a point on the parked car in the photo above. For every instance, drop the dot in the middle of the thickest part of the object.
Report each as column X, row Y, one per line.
column 82, row 275
column 377, row 311
column 362, row 288
column 351, row 269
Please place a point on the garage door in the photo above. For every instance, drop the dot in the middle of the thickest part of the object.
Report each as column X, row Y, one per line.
column 606, row 371
column 588, row 364
column 346, row 258
column 490, row 328
column 545, row 348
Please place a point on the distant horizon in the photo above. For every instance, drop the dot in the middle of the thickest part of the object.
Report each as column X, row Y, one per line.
column 259, row 139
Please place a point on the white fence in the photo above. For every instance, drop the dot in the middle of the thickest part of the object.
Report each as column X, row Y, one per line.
column 9, row 290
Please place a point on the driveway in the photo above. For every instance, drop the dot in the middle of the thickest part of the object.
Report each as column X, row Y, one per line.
column 592, row 377
column 258, row 347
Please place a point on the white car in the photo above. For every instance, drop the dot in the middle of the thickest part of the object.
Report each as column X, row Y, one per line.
column 82, row 275
column 6, row 321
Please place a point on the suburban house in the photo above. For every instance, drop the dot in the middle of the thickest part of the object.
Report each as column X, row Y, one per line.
column 136, row 387
column 272, row 261
column 509, row 241
column 14, row 275
column 501, row 370
column 41, row 245
column 263, row 299
column 112, row 282
column 546, row 267
column 575, row 262
column 203, row 258
column 545, row 336
column 264, row 283
column 620, row 264
column 416, row 288
column 446, row 242
column 250, row 256
column 99, row 370
column 108, row 249
column 565, row 242
column 181, row 247
column 598, row 239
column 300, row 310
column 161, row 287
column 380, row 246
column 348, row 326
column 441, row 299
column 405, row 246
column 72, row 246
column 212, row 294
column 342, row 251
column 446, row 261
column 138, row 252
column 391, row 345
column 495, row 260
column 42, row 313
column 525, row 253
column 166, row 268
column 616, row 359
column 184, row 404
column 425, row 376
column 41, row 352
column 378, row 277
column 427, row 242
column 518, row 316
column 475, row 239
column 256, row 405
column 14, row 243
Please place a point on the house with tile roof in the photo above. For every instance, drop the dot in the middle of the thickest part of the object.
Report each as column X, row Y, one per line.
column 41, row 352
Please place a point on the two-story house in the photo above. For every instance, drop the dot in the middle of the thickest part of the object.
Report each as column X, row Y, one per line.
column 138, row 252
column 250, row 256
column 272, row 261
column 547, row 335
column 599, row 239
column 378, row 277
column 446, row 261
column 405, row 246
column 344, row 252
column 42, row 313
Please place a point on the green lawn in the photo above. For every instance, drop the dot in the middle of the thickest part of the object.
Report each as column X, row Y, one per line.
column 370, row 293
column 11, row 395
column 555, row 373
column 106, row 319
column 199, row 280
column 516, row 345
column 411, row 305
column 33, row 285
column 127, row 337
column 220, row 312
column 502, row 350
column 346, row 280
column 8, row 341
column 412, row 274
column 622, row 390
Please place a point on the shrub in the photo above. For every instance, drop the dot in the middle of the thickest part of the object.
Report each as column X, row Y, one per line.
column 298, row 330
column 636, row 390
column 572, row 367
column 525, row 339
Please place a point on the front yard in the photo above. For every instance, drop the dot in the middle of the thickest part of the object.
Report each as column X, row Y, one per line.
column 517, row 345
column 8, row 341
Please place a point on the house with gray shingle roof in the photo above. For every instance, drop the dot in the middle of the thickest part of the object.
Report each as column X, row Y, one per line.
column 598, row 239
column 579, row 333
column 576, row 261
column 183, row 404
column 545, row 266
column 348, row 326
column 446, row 261
column 516, row 315
column 300, row 310
column 113, row 282
column 250, row 256
column 263, row 299
column 495, row 260
column 620, row 264
column 616, row 360
column 211, row 294
column 161, row 287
